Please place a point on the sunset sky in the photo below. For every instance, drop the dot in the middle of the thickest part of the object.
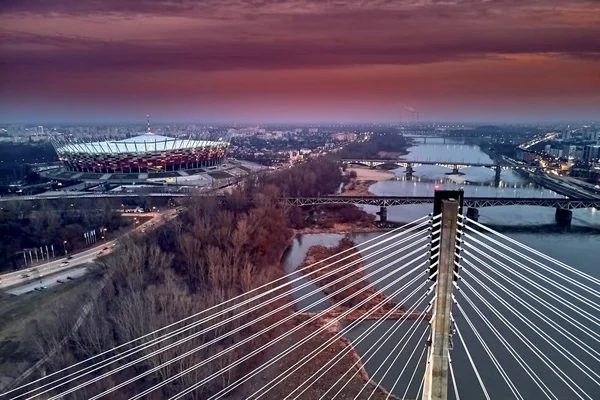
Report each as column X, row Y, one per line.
column 299, row 60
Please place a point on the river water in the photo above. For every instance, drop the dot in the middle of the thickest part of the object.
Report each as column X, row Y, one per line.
column 533, row 226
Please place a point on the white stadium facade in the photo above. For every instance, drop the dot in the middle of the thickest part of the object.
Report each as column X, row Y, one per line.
column 143, row 153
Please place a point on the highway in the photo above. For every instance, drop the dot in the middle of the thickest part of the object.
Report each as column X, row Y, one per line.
column 29, row 278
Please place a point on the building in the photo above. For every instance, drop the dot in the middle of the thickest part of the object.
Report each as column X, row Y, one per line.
column 591, row 153
column 525, row 155
column 142, row 153
column 569, row 151
column 344, row 136
column 548, row 149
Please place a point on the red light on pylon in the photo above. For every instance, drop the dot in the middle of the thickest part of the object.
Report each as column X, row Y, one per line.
column 436, row 187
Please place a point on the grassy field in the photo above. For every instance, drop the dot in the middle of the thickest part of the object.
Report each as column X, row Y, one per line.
column 21, row 318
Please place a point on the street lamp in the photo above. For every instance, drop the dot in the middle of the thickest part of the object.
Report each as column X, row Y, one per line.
column 65, row 247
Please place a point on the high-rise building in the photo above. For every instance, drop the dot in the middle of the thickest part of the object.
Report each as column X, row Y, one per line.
column 591, row 153
column 40, row 130
column 569, row 151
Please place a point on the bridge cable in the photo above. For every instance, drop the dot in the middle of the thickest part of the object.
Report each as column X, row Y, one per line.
column 280, row 322
column 572, row 338
column 481, row 384
column 537, row 274
column 331, row 362
column 549, row 293
column 535, row 350
column 410, row 357
column 296, row 345
column 412, row 377
column 530, row 372
column 204, row 345
column 537, row 253
column 383, row 339
column 490, row 354
column 552, row 342
column 452, row 377
column 419, row 340
column 138, row 348
column 572, row 281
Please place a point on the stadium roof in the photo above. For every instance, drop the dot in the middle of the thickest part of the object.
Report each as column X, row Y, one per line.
column 137, row 144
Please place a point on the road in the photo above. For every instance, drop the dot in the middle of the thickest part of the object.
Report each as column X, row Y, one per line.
column 32, row 276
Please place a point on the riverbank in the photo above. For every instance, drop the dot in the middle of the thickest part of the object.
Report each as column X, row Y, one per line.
column 363, row 178
column 338, row 218
column 354, row 277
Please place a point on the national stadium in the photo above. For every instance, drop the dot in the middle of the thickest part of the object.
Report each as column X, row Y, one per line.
column 143, row 153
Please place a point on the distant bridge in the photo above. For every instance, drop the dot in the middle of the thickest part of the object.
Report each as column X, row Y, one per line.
column 473, row 202
column 381, row 201
column 416, row 163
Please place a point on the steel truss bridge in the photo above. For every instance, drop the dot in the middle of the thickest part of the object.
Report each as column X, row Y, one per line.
column 381, row 201
column 475, row 202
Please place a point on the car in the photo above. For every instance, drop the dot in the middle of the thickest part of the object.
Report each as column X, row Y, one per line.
column 68, row 258
column 100, row 252
column 70, row 278
column 106, row 248
column 62, row 264
column 60, row 281
column 25, row 276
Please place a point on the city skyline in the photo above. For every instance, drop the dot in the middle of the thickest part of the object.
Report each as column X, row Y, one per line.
column 300, row 61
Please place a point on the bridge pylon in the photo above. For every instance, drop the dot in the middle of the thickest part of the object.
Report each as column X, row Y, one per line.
column 436, row 372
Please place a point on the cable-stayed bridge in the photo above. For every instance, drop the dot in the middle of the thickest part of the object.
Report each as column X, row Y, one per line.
column 443, row 307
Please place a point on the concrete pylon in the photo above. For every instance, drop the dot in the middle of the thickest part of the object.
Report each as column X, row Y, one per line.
column 436, row 373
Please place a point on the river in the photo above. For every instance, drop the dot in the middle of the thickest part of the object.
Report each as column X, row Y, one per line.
column 577, row 247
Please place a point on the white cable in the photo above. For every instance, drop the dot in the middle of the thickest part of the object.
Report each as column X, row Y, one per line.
column 481, row 384
column 541, row 355
column 592, row 334
column 574, row 339
column 204, row 345
column 457, row 397
column 495, row 361
column 551, row 341
column 572, row 281
column 221, row 323
column 530, row 372
column 394, row 361
column 416, row 326
column 421, row 386
column 212, row 316
column 290, row 349
column 416, row 323
column 537, row 274
column 411, row 377
column 345, row 351
column 594, row 320
column 540, row 254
